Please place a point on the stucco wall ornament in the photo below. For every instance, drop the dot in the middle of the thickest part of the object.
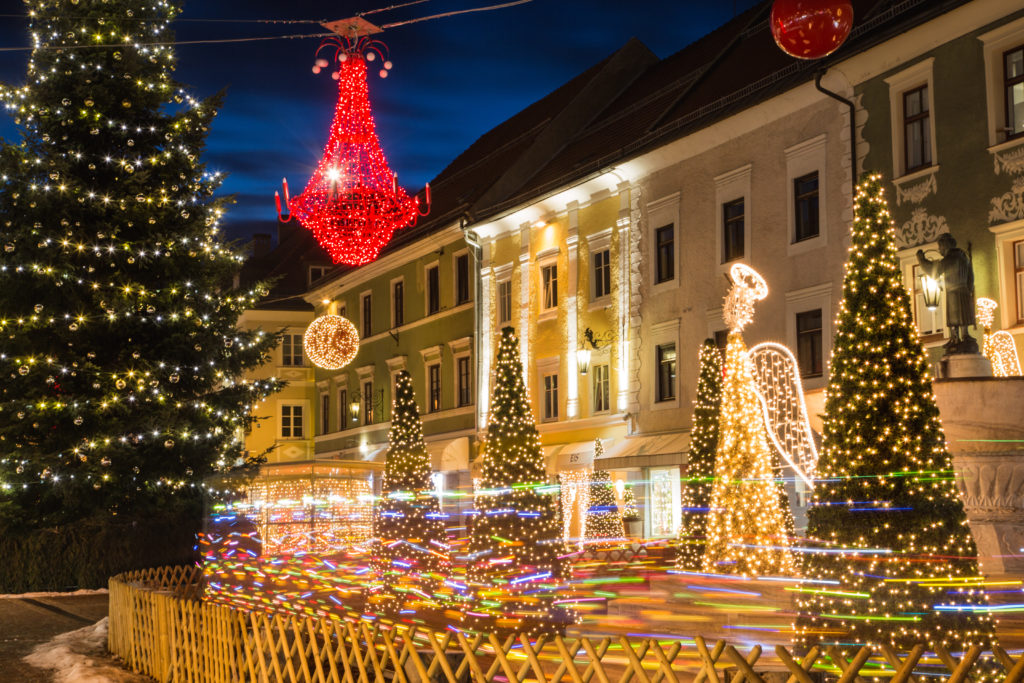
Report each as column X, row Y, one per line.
column 992, row 488
column 916, row 193
column 1010, row 161
column 639, row 225
column 1010, row 206
column 920, row 229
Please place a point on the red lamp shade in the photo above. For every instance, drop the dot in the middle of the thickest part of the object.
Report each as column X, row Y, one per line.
column 352, row 203
column 811, row 29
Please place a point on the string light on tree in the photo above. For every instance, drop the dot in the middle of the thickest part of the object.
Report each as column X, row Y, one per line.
column 515, row 543
column 746, row 522
column 352, row 203
column 331, row 342
column 897, row 561
column 701, row 466
column 411, row 554
column 603, row 520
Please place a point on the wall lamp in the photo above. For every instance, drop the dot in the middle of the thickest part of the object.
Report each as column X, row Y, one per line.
column 373, row 403
column 595, row 341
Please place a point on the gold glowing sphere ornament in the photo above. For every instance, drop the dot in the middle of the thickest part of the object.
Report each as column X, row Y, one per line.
column 331, row 342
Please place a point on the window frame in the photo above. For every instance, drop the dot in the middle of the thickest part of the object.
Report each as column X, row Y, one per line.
column 813, row 333
column 549, row 396
column 660, row 395
column 432, row 290
column 921, row 118
column 294, row 415
column 814, row 215
column 664, row 249
column 344, row 415
column 1018, row 280
column 366, row 315
column 601, row 389
column 727, row 223
column 731, row 187
column 397, row 302
column 907, row 80
column 503, row 301
column 463, row 381
column 548, row 285
column 325, row 413
column 459, row 258
column 366, row 389
column 601, row 274
column 434, row 399
column 1007, row 84
column 309, row 274
column 289, row 342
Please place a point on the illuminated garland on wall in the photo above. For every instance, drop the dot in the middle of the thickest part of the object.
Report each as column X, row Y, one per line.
column 895, row 558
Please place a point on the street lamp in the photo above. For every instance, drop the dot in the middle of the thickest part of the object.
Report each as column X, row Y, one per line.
column 931, row 290
column 583, row 353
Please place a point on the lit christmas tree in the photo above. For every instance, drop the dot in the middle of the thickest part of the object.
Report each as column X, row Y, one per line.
column 120, row 353
column 603, row 520
column 746, row 523
column 515, row 541
column 701, row 466
column 886, row 507
column 411, row 556
column 630, row 512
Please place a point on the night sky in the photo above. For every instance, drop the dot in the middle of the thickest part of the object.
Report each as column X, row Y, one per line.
column 453, row 78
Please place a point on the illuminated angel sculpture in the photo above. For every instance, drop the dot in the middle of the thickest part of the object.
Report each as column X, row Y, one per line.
column 999, row 346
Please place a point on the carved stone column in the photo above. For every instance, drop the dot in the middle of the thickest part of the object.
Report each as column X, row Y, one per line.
column 984, row 423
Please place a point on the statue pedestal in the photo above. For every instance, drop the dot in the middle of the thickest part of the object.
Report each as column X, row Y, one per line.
column 984, row 423
column 961, row 365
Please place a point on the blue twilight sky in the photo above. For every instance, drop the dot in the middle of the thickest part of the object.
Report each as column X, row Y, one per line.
column 453, row 78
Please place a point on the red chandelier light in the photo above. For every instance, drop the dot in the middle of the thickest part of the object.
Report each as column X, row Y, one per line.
column 352, row 203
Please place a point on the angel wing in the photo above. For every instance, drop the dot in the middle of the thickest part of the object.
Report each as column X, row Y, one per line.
column 1001, row 349
column 785, row 413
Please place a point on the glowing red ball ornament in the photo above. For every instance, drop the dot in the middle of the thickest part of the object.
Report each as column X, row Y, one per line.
column 811, row 29
column 352, row 204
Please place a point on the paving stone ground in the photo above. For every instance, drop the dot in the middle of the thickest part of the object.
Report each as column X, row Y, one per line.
column 27, row 622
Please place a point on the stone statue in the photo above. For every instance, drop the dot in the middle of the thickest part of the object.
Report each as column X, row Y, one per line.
column 956, row 271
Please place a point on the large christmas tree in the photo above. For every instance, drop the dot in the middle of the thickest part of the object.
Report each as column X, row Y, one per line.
column 120, row 353
column 515, row 541
column 411, row 557
column 886, row 512
column 701, row 467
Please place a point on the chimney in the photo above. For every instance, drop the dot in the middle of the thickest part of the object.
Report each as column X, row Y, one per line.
column 260, row 244
column 284, row 231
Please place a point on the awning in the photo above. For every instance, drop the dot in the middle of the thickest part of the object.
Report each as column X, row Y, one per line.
column 647, row 451
column 569, row 456
column 449, row 455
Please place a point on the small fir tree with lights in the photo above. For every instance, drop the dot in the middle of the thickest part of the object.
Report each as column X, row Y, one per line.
column 515, row 541
column 603, row 519
column 899, row 554
column 701, row 466
column 120, row 354
column 411, row 557
column 746, row 521
column 630, row 511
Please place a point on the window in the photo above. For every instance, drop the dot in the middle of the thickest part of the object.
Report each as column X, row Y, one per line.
column 367, row 315
column 549, row 281
column 433, row 290
column 732, row 230
column 929, row 323
column 325, row 413
column 291, row 349
column 665, row 254
column 291, row 422
column 316, row 272
column 602, row 274
column 368, row 402
column 808, row 343
column 504, row 302
column 461, row 279
column 434, row 388
column 805, row 206
column 917, row 144
column 398, row 304
column 1013, row 86
column 1018, row 277
column 666, row 357
column 343, row 416
column 550, row 397
column 462, row 369
column 601, row 392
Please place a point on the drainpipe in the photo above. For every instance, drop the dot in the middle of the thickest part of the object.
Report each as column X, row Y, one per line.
column 474, row 245
column 853, row 128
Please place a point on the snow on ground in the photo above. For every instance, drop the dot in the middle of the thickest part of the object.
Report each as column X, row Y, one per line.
column 53, row 594
column 81, row 657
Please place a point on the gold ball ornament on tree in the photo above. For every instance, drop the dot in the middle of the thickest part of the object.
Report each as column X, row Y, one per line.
column 331, row 342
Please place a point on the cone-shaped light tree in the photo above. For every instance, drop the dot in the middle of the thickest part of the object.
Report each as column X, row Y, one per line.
column 121, row 358
column 701, row 466
column 746, row 523
column 515, row 541
column 411, row 557
column 603, row 519
column 897, row 551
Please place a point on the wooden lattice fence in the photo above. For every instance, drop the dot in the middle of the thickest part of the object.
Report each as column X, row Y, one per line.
column 160, row 629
